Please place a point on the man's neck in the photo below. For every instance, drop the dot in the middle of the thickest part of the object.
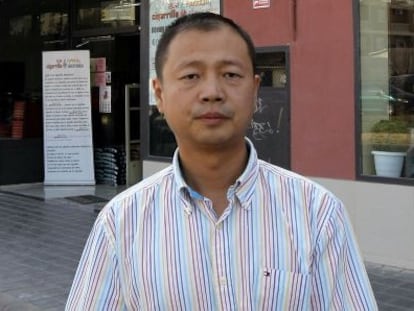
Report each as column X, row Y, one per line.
column 212, row 173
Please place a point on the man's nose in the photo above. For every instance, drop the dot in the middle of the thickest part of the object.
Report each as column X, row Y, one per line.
column 212, row 90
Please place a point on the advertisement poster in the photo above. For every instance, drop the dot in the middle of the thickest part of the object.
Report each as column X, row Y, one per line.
column 67, row 122
column 105, row 99
column 163, row 13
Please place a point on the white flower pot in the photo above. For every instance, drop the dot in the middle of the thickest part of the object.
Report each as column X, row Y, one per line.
column 388, row 164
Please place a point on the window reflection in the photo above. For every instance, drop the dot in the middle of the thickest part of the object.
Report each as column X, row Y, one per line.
column 162, row 141
column 106, row 14
column 387, row 83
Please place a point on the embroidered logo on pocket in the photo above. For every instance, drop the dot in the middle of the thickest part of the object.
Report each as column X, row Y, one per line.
column 282, row 290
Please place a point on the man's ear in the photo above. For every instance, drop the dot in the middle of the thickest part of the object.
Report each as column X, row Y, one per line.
column 157, row 89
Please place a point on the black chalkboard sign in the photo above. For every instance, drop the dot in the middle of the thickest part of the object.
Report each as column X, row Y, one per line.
column 270, row 130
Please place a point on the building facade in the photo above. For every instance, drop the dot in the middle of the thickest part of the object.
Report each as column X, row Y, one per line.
column 336, row 85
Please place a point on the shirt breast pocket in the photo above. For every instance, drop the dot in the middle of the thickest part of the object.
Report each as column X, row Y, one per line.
column 282, row 290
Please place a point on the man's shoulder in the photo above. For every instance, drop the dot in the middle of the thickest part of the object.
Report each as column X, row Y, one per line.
column 142, row 193
column 293, row 181
column 281, row 173
column 160, row 177
column 298, row 195
column 150, row 183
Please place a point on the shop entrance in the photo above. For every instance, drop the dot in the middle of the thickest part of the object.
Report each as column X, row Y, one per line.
column 115, row 96
column 270, row 127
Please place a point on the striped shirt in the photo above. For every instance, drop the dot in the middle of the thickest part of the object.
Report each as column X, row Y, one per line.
column 283, row 243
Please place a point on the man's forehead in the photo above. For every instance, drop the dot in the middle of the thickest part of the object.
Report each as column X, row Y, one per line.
column 191, row 53
column 194, row 38
column 205, row 31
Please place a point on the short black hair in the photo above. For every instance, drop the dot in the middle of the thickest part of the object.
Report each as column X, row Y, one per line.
column 204, row 21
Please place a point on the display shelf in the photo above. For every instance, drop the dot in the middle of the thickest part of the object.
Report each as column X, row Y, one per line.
column 132, row 135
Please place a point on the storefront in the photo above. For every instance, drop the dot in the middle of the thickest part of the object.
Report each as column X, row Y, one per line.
column 334, row 76
column 316, row 69
column 110, row 32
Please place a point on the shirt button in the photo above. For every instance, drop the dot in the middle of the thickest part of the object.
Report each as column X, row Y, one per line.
column 219, row 226
column 223, row 281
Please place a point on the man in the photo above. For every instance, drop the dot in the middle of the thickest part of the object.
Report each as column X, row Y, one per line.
column 218, row 229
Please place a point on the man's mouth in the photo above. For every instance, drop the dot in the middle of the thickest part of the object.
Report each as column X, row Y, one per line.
column 212, row 118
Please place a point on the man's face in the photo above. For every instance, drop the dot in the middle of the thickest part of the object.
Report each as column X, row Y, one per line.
column 208, row 89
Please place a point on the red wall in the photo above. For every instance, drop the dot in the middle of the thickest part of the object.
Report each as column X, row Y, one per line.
column 322, row 77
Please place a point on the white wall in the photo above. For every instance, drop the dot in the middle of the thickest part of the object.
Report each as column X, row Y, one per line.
column 383, row 219
column 382, row 216
column 151, row 167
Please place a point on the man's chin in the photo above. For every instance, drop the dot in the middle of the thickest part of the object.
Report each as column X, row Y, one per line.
column 219, row 142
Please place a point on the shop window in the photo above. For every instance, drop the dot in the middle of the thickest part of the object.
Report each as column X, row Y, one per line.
column 95, row 14
column 162, row 140
column 271, row 67
column 26, row 29
column 387, row 88
column 270, row 125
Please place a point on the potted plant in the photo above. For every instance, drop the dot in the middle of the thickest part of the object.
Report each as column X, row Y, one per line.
column 390, row 141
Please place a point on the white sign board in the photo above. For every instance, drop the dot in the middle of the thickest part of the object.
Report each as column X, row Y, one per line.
column 261, row 4
column 163, row 13
column 67, row 121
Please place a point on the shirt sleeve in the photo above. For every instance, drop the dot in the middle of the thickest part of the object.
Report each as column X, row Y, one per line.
column 96, row 285
column 339, row 278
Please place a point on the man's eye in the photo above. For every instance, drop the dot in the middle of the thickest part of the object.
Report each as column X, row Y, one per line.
column 190, row 76
column 232, row 75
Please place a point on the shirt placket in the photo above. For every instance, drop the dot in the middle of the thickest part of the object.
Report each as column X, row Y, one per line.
column 222, row 278
column 219, row 243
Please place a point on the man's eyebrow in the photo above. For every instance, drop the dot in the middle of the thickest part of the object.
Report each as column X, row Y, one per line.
column 197, row 63
column 188, row 63
column 233, row 62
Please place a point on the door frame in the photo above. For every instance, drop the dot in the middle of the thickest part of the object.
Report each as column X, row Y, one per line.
column 286, row 50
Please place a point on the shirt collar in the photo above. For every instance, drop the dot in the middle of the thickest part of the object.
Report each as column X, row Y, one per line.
column 245, row 184
column 243, row 188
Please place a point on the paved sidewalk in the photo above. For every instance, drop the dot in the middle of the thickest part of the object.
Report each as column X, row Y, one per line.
column 41, row 242
column 10, row 303
column 40, row 245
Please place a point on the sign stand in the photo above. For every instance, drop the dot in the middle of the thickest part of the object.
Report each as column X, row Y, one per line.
column 67, row 121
